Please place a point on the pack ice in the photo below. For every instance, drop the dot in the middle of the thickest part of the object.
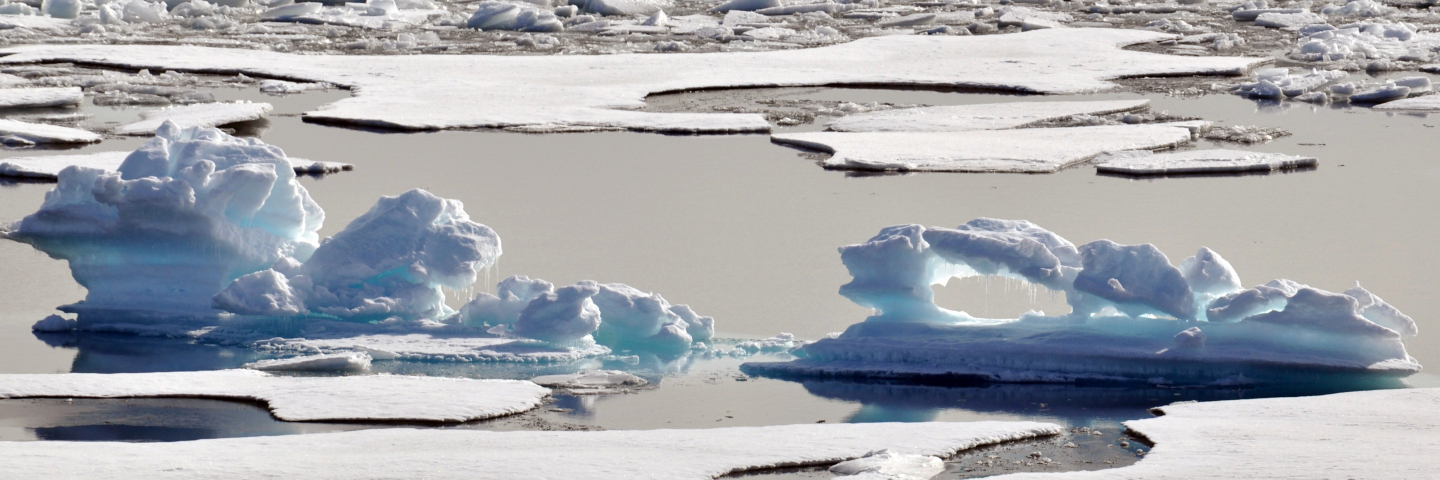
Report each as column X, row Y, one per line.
column 560, row 92
column 1134, row 316
column 302, row 399
column 698, row 454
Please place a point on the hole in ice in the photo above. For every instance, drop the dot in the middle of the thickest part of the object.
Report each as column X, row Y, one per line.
column 992, row 296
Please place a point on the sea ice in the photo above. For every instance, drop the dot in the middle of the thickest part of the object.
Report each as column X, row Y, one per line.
column 1029, row 150
column 332, row 362
column 49, row 167
column 1288, row 20
column 1198, row 161
column 40, row 97
column 302, row 399
column 884, row 464
column 1134, row 317
column 1304, row 437
column 492, row 15
column 988, row 116
column 1361, row 45
column 15, row 132
column 196, row 115
column 185, row 214
column 699, row 454
column 1279, row 83
column 1426, row 103
column 591, row 381
column 497, row 91
column 432, row 347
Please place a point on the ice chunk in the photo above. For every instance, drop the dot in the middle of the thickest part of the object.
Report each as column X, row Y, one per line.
column 302, row 399
column 1426, row 103
column 745, row 5
column 1358, row 8
column 61, row 8
column 677, row 454
column 334, row 362
column 565, row 315
column 15, row 132
column 293, row 10
column 885, row 464
column 1134, row 318
column 54, row 324
column 826, row 7
column 1278, row 83
column 1380, row 94
column 186, row 214
column 49, row 167
column 564, row 91
column 428, row 345
column 1030, row 150
column 987, row 116
column 492, row 15
column 266, row 292
column 197, row 115
column 1288, row 20
column 624, row 7
column 503, row 308
column 1198, row 161
column 591, row 381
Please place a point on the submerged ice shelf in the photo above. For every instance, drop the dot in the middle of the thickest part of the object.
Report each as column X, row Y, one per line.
column 302, row 399
column 1134, row 316
column 561, row 92
column 649, row 454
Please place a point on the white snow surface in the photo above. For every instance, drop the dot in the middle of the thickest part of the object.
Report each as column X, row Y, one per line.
column 40, row 97
column 1425, row 103
column 1029, row 150
column 333, row 362
column 493, row 91
column 48, row 167
column 1345, row 435
column 1198, row 161
column 987, row 116
column 42, row 133
column 301, row 399
column 700, row 454
column 887, row 465
column 196, row 115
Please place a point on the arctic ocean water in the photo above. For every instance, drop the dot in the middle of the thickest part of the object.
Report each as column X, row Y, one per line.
column 746, row 231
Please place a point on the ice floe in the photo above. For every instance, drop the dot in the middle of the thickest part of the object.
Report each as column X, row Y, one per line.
column 1134, row 317
column 1198, row 161
column 438, row 346
column 591, row 381
column 1029, row 150
column 989, row 116
column 1305, row 437
column 18, row 133
column 302, row 399
column 1427, row 103
column 333, row 362
column 196, row 115
column 669, row 454
column 49, row 167
column 602, row 90
column 40, row 97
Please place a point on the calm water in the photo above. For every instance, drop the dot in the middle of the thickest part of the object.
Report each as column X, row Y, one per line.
column 746, row 231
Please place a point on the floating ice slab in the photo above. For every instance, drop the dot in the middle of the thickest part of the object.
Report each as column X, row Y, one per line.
column 496, row 91
column 1427, row 103
column 302, row 399
column 392, row 453
column 31, row 133
column 333, row 362
column 1288, row 20
column 197, row 115
column 1030, row 150
column 1306, row 437
column 40, row 97
column 49, row 167
column 441, row 348
column 988, row 116
column 1198, row 161
column 1134, row 316
column 592, row 381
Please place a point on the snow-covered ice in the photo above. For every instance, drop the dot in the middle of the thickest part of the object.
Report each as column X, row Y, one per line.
column 1344, row 435
column 1425, row 103
column 13, row 132
column 1028, row 150
column 302, row 399
column 185, row 214
column 433, row 347
column 1134, row 316
column 40, row 97
column 988, row 116
column 698, row 454
column 49, row 167
column 1198, row 161
column 591, row 381
column 491, row 91
column 331, row 362
column 887, row 465
column 196, row 115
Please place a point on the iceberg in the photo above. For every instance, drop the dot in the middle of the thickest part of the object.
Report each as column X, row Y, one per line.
column 183, row 216
column 1135, row 318
column 698, row 454
column 393, row 398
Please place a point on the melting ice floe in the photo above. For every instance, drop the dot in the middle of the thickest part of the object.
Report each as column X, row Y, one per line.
column 1135, row 317
column 332, row 362
column 49, row 167
column 1198, row 161
column 40, row 97
column 503, row 91
column 668, row 454
column 988, row 116
column 195, row 115
column 1307, row 437
column 302, row 399
column 591, row 381
column 18, row 133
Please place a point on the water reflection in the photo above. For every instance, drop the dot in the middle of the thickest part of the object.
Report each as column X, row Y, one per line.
column 124, row 353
